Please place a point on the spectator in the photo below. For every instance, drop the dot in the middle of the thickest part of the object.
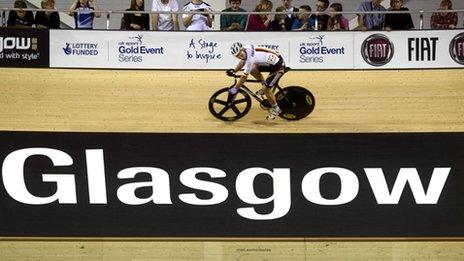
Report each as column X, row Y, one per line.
column 20, row 18
column 337, row 22
column 322, row 19
column 195, row 21
column 165, row 22
column 84, row 11
column 48, row 18
column 289, row 18
column 304, row 21
column 398, row 21
column 278, row 24
column 234, row 22
column 136, row 21
column 371, row 21
column 260, row 22
column 441, row 20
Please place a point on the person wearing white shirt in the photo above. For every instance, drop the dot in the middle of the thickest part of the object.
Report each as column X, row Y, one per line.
column 165, row 22
column 193, row 21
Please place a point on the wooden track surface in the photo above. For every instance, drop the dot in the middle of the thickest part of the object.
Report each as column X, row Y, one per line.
column 173, row 101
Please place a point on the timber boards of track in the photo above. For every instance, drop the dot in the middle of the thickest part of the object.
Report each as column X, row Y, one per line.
column 176, row 101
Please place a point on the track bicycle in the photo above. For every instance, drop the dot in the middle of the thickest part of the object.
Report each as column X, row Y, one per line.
column 296, row 102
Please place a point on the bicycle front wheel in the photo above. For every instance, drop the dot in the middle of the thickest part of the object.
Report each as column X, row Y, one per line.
column 295, row 102
column 225, row 107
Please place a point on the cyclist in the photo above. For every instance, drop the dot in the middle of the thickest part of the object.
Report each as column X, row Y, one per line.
column 255, row 60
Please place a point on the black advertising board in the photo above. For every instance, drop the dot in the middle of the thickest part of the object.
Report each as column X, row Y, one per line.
column 24, row 47
column 232, row 185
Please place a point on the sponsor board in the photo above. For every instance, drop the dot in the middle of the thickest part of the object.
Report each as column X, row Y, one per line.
column 301, row 50
column 24, row 47
column 135, row 49
column 416, row 49
column 181, row 185
column 456, row 48
column 78, row 49
column 377, row 50
column 323, row 50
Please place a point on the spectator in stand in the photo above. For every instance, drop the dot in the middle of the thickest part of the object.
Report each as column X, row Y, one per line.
column 20, row 18
column 371, row 21
column 441, row 20
column 136, row 21
column 337, row 22
column 322, row 19
column 195, row 21
column 398, row 21
column 260, row 22
column 234, row 22
column 304, row 22
column 289, row 18
column 278, row 24
column 48, row 18
column 165, row 22
column 84, row 11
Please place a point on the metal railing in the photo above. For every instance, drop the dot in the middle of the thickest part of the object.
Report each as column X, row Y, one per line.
column 110, row 13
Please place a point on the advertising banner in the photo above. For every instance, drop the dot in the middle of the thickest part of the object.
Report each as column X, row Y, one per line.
column 407, row 185
column 24, row 47
column 322, row 50
column 79, row 49
column 416, row 49
column 301, row 50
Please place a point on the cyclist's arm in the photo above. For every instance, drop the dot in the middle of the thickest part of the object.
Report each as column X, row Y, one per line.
column 240, row 65
column 241, row 81
column 244, row 77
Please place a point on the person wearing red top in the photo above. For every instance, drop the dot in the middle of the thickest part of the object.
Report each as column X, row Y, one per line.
column 441, row 20
column 260, row 22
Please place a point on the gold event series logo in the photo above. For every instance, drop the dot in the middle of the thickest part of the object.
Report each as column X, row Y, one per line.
column 456, row 48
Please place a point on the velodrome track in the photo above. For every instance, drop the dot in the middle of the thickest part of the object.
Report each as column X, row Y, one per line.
column 176, row 101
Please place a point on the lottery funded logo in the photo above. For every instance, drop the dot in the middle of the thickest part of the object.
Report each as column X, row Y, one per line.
column 81, row 49
column 456, row 48
column 377, row 50
column 135, row 49
column 314, row 50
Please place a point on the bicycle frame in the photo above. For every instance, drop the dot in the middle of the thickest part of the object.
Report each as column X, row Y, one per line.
column 250, row 92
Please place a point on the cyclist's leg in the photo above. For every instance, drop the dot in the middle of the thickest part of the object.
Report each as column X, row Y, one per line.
column 276, row 72
column 273, row 78
column 255, row 72
column 274, row 110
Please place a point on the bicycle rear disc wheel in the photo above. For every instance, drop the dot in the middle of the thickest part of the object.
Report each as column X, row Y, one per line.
column 295, row 102
column 223, row 107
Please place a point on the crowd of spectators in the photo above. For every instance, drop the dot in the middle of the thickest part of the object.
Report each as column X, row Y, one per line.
column 199, row 16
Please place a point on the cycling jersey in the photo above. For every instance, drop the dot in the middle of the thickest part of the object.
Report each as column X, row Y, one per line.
column 261, row 57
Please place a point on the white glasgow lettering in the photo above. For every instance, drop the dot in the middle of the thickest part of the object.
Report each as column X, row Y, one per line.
column 10, row 43
column 15, row 185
